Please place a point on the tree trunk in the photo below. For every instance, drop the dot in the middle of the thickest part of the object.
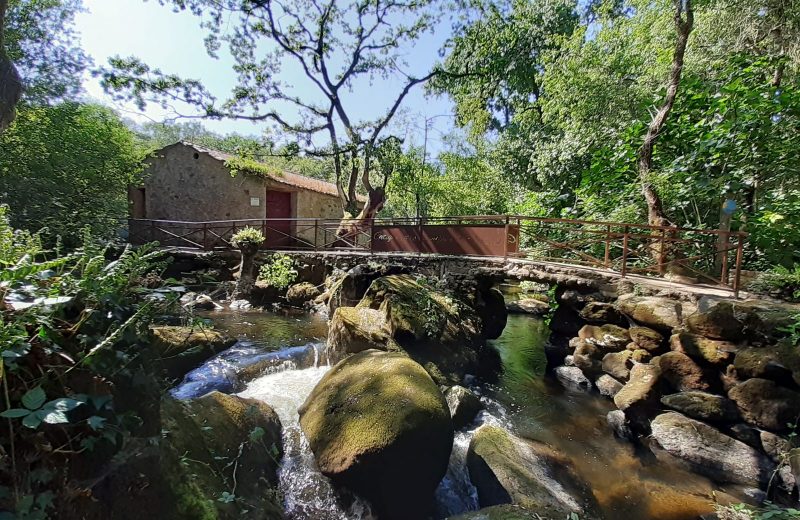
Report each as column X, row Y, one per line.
column 247, row 272
column 655, row 209
column 10, row 82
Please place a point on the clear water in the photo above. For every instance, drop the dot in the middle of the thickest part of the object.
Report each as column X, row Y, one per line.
column 628, row 483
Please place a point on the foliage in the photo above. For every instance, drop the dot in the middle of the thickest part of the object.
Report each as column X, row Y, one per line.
column 41, row 41
column 71, row 336
column 780, row 282
column 767, row 511
column 249, row 237
column 278, row 272
column 67, row 166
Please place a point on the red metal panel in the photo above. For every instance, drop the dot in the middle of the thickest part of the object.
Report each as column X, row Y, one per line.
column 485, row 240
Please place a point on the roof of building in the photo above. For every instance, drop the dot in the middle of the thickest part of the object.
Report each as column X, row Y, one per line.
column 282, row 177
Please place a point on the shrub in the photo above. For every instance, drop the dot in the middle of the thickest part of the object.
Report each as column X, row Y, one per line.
column 781, row 282
column 247, row 237
column 279, row 272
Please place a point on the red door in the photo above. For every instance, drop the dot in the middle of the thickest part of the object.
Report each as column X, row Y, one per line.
column 279, row 206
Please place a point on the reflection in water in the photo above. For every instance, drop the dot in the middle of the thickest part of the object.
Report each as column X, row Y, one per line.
column 628, row 484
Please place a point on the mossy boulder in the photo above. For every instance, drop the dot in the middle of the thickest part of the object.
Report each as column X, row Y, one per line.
column 702, row 406
column 301, row 293
column 220, row 444
column 355, row 329
column 501, row 512
column 608, row 386
column 347, row 290
column 681, row 372
column 463, row 405
column 765, row 404
column 378, row 424
column 618, row 364
column 528, row 306
column 608, row 337
column 596, row 312
column 715, row 352
column 646, row 338
column 779, row 362
column 663, row 314
column 401, row 313
column 508, row 469
column 708, row 451
column 177, row 350
column 638, row 399
column 735, row 321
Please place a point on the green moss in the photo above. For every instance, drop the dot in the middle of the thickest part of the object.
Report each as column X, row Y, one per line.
column 245, row 166
column 180, row 349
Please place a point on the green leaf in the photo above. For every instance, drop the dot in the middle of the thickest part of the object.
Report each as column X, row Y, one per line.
column 34, row 398
column 95, row 422
column 15, row 413
column 33, row 420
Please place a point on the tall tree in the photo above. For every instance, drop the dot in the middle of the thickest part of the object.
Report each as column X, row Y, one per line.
column 684, row 21
column 10, row 82
column 337, row 45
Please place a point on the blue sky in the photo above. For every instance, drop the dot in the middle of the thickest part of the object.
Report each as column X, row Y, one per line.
column 173, row 42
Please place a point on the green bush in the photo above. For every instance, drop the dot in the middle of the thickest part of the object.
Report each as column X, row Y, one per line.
column 768, row 511
column 248, row 237
column 781, row 282
column 279, row 272
column 72, row 328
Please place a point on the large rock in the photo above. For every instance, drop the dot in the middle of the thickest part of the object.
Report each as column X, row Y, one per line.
column 600, row 313
column 587, row 357
column 505, row 468
column 780, row 363
column 766, row 405
column 681, row 372
column 378, row 424
column 400, row 313
column 646, row 338
column 659, row 313
column 702, row 406
column 348, row 290
column 528, row 306
column 213, row 441
column 608, row 386
column 716, row 352
column 710, row 452
column 572, row 377
column 491, row 308
column 609, row 337
column 734, row 320
column 617, row 364
column 639, row 397
column 463, row 405
column 180, row 349
column 355, row 329
column 301, row 293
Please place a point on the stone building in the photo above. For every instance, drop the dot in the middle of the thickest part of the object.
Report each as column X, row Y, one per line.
column 188, row 183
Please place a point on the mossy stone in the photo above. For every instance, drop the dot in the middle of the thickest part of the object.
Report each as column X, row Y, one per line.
column 180, row 349
column 716, row 352
column 378, row 424
column 702, row 406
column 505, row 468
column 646, row 338
column 501, row 512
column 213, row 441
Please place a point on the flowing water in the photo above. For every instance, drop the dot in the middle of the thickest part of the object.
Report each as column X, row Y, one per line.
column 628, row 483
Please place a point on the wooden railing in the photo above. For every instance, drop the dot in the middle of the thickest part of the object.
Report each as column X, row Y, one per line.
column 689, row 255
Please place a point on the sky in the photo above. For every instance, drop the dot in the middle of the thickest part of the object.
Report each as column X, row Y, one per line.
column 173, row 42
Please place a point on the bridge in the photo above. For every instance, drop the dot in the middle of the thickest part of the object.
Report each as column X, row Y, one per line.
column 704, row 261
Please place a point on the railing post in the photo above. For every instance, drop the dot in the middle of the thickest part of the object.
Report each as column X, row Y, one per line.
column 607, row 256
column 723, row 252
column 371, row 235
column 505, row 246
column 316, row 231
column 737, row 277
column 662, row 255
column 625, row 252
